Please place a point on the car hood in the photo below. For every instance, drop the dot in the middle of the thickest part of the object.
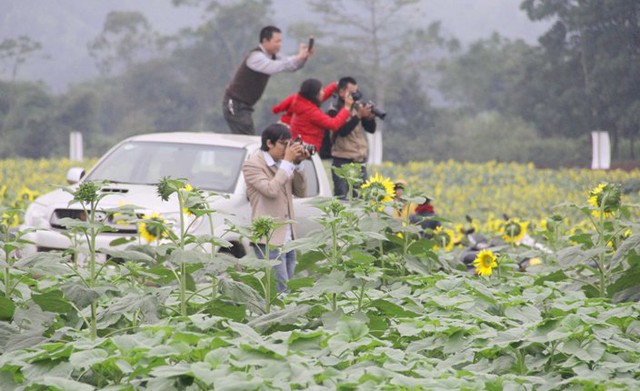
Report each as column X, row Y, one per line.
column 144, row 197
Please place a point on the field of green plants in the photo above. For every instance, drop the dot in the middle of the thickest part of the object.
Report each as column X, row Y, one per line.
column 376, row 304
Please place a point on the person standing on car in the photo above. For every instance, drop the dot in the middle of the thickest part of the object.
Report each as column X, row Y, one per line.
column 349, row 144
column 273, row 175
column 251, row 78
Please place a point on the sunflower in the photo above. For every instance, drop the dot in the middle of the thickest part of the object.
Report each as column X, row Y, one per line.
column 605, row 198
column 153, row 229
column 27, row 194
column 443, row 238
column 187, row 189
column 485, row 262
column 379, row 189
column 514, row 230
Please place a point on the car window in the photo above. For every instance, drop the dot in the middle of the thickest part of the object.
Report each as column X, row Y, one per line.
column 209, row 167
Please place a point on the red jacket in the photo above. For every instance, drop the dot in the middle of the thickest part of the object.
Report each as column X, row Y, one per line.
column 310, row 122
column 285, row 105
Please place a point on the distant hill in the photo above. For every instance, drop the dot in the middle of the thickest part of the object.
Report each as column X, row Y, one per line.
column 64, row 27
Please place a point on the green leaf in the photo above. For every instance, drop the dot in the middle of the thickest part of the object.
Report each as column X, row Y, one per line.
column 306, row 342
column 391, row 310
column 79, row 294
column 128, row 255
column 7, row 309
column 45, row 263
column 221, row 308
column 573, row 256
column 147, row 304
column 526, row 314
column 63, row 383
column 87, row 358
column 334, row 282
column 179, row 257
column 298, row 283
column 241, row 293
column 288, row 316
column 53, row 301
column 352, row 328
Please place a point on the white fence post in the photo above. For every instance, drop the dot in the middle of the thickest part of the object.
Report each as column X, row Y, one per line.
column 601, row 159
column 75, row 146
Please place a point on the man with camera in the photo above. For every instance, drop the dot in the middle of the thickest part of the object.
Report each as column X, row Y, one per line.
column 251, row 78
column 349, row 143
column 273, row 175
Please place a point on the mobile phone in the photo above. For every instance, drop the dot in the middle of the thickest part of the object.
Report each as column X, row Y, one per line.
column 311, row 42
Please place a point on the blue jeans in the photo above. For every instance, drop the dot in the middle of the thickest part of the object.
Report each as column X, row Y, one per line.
column 283, row 271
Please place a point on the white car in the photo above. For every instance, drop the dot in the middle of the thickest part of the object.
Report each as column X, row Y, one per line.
column 209, row 161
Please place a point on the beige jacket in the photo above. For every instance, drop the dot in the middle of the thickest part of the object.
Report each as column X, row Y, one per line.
column 270, row 191
column 353, row 146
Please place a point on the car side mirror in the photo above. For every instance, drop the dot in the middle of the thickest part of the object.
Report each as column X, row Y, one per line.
column 74, row 175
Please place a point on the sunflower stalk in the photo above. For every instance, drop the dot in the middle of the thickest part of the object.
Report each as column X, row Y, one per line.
column 87, row 194
column 183, row 265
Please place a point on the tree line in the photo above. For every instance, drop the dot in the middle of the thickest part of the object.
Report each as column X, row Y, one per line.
column 497, row 99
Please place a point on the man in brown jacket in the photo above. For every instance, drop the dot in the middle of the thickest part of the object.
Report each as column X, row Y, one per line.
column 273, row 175
column 349, row 143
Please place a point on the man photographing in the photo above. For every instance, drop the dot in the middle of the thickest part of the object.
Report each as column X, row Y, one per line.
column 251, row 78
column 349, row 143
column 273, row 175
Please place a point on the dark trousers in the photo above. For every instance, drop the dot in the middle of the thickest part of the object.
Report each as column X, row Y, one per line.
column 238, row 116
column 340, row 186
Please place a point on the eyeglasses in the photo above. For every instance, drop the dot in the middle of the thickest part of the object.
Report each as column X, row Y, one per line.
column 283, row 142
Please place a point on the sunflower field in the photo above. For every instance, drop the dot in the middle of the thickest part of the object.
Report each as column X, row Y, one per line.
column 529, row 280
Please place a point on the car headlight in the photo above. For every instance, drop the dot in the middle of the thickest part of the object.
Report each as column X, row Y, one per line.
column 36, row 216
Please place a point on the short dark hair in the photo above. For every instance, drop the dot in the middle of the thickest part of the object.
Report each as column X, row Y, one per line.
column 344, row 81
column 309, row 89
column 267, row 32
column 274, row 132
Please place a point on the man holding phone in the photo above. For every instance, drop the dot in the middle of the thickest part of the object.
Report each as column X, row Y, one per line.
column 252, row 76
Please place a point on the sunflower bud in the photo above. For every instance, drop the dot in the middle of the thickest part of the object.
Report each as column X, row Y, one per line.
column 165, row 188
column 87, row 192
column 262, row 227
column 606, row 197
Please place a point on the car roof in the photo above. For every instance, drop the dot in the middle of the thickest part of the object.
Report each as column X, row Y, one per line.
column 205, row 138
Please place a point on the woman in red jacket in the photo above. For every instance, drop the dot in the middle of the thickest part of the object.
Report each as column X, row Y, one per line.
column 309, row 122
column 286, row 104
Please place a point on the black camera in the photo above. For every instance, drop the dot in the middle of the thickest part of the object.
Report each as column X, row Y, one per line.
column 307, row 147
column 357, row 96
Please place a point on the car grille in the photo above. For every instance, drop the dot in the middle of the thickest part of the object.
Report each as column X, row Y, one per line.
column 119, row 224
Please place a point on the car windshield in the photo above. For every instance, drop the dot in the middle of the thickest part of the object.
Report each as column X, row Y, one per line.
column 209, row 167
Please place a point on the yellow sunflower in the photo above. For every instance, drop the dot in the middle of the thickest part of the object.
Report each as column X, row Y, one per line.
column 443, row 238
column 154, row 229
column 187, row 189
column 379, row 188
column 27, row 194
column 514, row 230
column 9, row 220
column 605, row 198
column 485, row 262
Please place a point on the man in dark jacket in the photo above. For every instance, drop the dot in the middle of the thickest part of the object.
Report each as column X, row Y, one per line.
column 349, row 144
column 252, row 76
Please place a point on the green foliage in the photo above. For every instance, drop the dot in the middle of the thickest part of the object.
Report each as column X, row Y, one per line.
column 376, row 306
